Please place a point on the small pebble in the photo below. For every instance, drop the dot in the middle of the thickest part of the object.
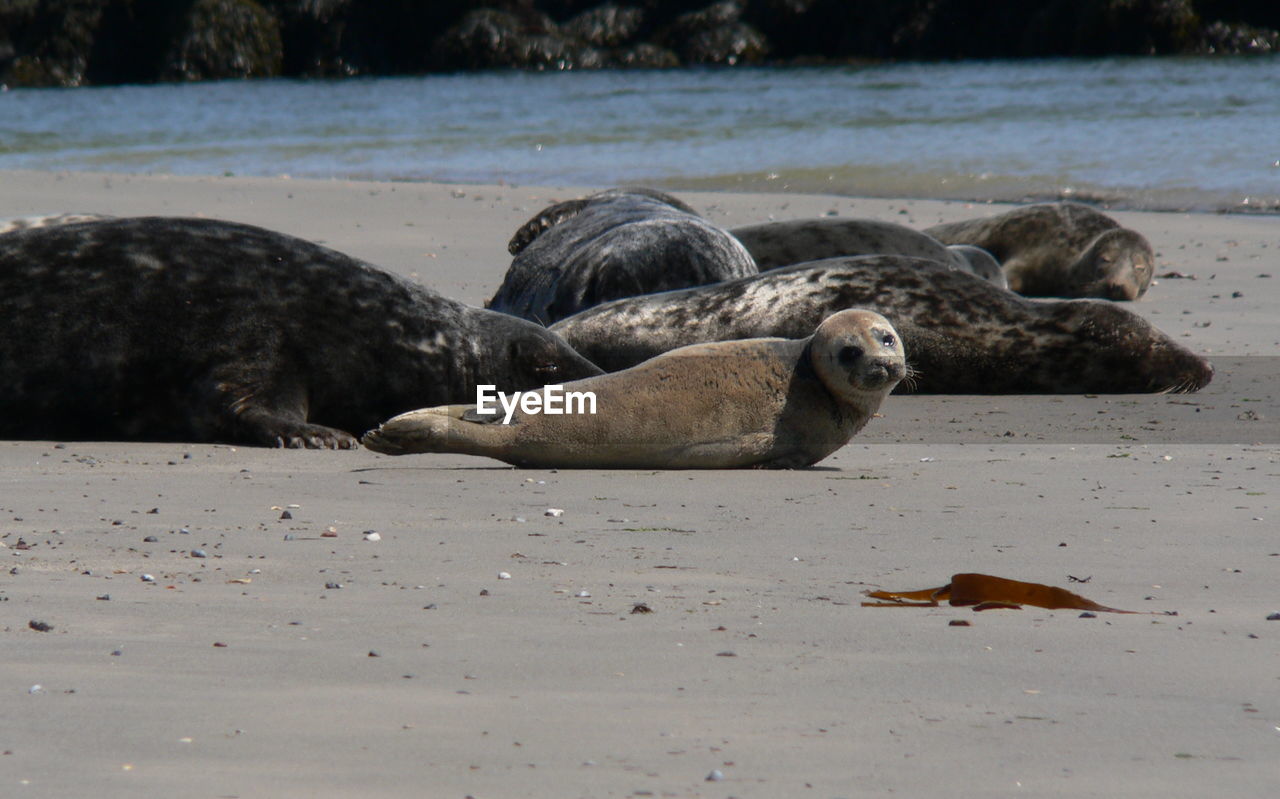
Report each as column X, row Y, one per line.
column 286, row 515
column 374, row 654
column 333, row 586
column 370, row 535
column 1274, row 617
column 583, row 594
column 958, row 623
column 151, row 539
column 104, row 598
column 290, row 537
column 147, row 578
column 117, row 652
column 199, row 553
column 184, row 531
column 716, row 775
column 36, row 689
column 40, row 626
column 504, row 575
column 554, row 512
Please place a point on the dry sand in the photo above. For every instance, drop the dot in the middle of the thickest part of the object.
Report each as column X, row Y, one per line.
column 758, row 674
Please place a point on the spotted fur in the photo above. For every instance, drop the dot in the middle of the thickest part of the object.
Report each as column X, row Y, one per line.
column 961, row 335
column 160, row 328
column 48, row 220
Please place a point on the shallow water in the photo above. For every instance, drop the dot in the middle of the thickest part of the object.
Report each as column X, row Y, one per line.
column 1147, row 133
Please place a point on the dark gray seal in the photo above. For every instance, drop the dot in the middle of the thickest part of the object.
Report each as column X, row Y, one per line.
column 962, row 335
column 199, row 330
column 618, row 243
column 763, row 403
column 1060, row 249
column 777, row 244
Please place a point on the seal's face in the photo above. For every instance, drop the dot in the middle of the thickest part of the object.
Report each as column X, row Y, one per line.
column 1118, row 265
column 858, row 356
column 535, row 357
column 1118, row 351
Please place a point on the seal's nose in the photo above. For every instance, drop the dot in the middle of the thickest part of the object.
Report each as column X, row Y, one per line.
column 880, row 372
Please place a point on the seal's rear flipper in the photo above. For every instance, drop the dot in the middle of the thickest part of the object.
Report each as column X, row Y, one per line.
column 424, row 430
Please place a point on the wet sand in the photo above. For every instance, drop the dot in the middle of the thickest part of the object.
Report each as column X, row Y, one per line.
column 297, row 658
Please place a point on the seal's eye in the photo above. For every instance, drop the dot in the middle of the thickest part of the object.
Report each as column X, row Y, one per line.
column 888, row 340
column 849, row 354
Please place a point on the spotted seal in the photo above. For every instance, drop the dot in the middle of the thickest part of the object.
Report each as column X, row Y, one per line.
column 962, row 335
column 767, row 403
column 778, row 244
column 200, row 330
column 618, row 243
column 1060, row 249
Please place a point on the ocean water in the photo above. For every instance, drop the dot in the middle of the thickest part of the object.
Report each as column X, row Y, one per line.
column 1167, row 133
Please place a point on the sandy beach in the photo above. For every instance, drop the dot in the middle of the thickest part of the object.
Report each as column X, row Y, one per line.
column 276, row 652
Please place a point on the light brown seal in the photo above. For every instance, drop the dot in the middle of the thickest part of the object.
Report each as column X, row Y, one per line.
column 1060, row 249
column 774, row 245
column 962, row 335
column 767, row 403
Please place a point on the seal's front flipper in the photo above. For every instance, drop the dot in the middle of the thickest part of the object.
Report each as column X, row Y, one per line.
column 275, row 429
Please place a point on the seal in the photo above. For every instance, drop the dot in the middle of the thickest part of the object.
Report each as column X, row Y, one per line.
column 618, row 243
column 157, row 328
column 764, row 403
column 962, row 336
column 46, row 220
column 1060, row 249
column 777, row 244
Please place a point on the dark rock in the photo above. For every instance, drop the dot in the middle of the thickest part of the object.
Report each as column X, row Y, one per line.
column 47, row 43
column 225, row 39
column 645, row 56
column 715, row 35
column 492, row 39
column 607, row 26
column 1231, row 39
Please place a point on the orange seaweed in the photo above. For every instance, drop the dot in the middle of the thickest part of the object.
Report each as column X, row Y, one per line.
column 986, row 592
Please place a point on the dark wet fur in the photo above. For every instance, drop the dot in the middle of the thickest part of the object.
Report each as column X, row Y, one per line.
column 619, row 243
column 962, row 335
column 1061, row 249
column 200, row 330
column 777, row 244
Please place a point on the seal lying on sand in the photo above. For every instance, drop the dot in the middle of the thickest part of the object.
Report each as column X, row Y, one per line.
column 777, row 244
column 962, row 335
column 48, row 220
column 770, row 403
column 618, row 243
column 200, row 330
column 1060, row 250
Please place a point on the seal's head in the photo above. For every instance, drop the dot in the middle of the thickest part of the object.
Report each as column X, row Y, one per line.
column 531, row 355
column 1117, row 265
column 858, row 356
column 1107, row 348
